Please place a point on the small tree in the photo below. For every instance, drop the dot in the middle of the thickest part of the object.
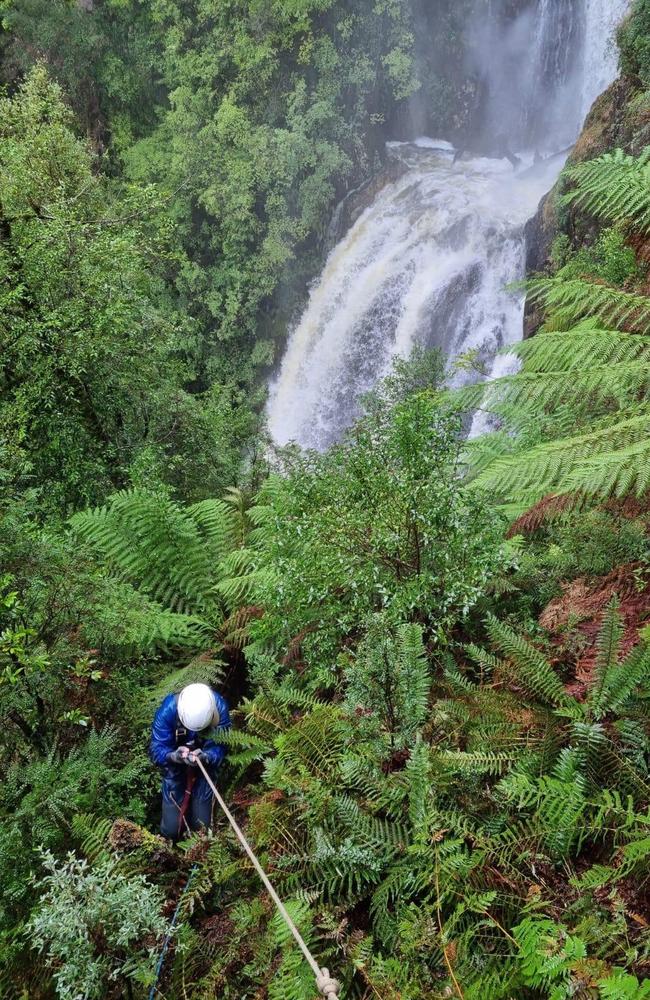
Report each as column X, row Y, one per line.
column 92, row 924
column 381, row 522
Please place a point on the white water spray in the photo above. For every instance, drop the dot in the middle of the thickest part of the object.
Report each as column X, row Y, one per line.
column 430, row 260
column 600, row 53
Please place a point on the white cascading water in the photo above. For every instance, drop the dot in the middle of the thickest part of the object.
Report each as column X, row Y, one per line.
column 430, row 261
column 600, row 54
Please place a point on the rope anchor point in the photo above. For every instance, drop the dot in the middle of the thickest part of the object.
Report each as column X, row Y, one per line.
column 327, row 986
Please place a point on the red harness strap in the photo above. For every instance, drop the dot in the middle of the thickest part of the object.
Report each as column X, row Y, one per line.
column 185, row 804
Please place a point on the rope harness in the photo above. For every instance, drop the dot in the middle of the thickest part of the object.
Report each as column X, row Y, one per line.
column 185, row 804
column 326, row 985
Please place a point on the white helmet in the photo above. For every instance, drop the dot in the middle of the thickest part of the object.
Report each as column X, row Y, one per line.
column 197, row 707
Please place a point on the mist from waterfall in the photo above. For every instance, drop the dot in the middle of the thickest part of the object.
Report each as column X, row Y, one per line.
column 431, row 259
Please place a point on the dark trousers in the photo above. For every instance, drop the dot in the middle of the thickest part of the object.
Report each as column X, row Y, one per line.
column 199, row 811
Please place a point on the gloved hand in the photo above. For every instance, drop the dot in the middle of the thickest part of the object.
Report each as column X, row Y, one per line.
column 198, row 755
column 179, row 756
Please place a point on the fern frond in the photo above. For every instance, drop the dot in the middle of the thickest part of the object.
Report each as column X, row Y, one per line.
column 593, row 463
column 614, row 186
column 577, row 299
column 379, row 832
column 607, row 650
column 537, row 390
column 477, row 762
column 241, row 579
column 216, row 525
column 488, row 662
column 315, row 743
column 532, row 668
column 155, row 544
column 622, row 680
column 581, row 347
column 617, row 473
column 92, row 833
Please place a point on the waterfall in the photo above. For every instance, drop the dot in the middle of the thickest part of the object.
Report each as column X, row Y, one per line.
column 600, row 55
column 431, row 259
column 530, row 73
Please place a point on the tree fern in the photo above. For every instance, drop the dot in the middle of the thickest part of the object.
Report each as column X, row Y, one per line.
column 159, row 546
column 597, row 383
column 189, row 561
column 576, row 299
column 614, row 186
column 242, row 580
column 582, row 346
column 220, row 530
column 584, row 382
column 592, row 463
column 614, row 473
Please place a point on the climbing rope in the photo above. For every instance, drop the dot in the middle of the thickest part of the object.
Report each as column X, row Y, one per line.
column 325, row 984
column 168, row 935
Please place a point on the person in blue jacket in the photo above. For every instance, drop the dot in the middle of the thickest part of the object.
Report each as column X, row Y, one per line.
column 179, row 737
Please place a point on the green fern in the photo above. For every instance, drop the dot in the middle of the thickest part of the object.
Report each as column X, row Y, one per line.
column 585, row 379
column 614, row 186
column 530, row 667
column 574, row 299
column 607, row 650
column 91, row 833
column 165, row 550
column 622, row 682
column 614, row 473
column 582, row 346
column 190, row 562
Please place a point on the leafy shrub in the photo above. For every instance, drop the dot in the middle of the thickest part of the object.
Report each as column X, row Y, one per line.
column 381, row 521
column 44, row 792
column 91, row 924
column 610, row 259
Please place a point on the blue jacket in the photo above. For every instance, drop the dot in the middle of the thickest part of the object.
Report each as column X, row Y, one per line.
column 168, row 733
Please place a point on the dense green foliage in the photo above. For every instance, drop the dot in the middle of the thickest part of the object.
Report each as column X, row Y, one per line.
column 377, row 525
column 93, row 361
column 441, row 744
column 634, row 42
column 252, row 119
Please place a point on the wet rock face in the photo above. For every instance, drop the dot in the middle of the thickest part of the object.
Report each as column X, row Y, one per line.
column 357, row 201
column 609, row 124
column 540, row 232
